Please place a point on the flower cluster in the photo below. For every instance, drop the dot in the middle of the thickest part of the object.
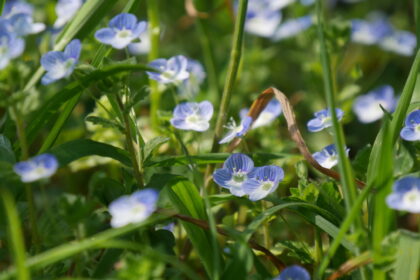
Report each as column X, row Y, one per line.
column 368, row 107
column 405, row 195
column 378, row 30
column 133, row 208
column 239, row 175
column 411, row 130
column 34, row 169
column 264, row 17
column 16, row 21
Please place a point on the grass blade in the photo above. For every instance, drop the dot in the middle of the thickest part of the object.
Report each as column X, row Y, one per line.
column 408, row 257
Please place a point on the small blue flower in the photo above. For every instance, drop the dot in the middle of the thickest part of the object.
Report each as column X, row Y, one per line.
column 294, row 272
column 292, row 27
column 11, row 47
column 191, row 86
column 405, row 195
column 173, row 70
column 13, row 7
column 368, row 107
column 65, row 10
column 133, row 208
column 22, row 25
column 323, row 120
column 263, row 181
column 263, row 23
column 60, row 64
column 234, row 173
column 400, row 42
column 192, row 116
column 142, row 47
column 328, row 157
column 267, row 116
column 39, row 167
column 411, row 130
column 236, row 130
column 372, row 31
column 122, row 29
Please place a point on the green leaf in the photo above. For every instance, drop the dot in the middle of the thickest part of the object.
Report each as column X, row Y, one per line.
column 6, row 152
column 186, row 199
column 361, row 162
column 240, row 261
column 408, row 257
column 73, row 150
column 404, row 161
column 153, row 144
column 297, row 250
column 104, row 122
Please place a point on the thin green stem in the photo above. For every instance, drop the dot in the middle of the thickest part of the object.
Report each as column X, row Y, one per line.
column 266, row 226
column 154, row 34
column 28, row 188
column 16, row 236
column 417, row 18
column 318, row 246
column 347, row 180
column 235, row 58
column 131, row 145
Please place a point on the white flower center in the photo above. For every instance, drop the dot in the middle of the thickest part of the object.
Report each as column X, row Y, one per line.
column 124, row 34
column 239, row 177
column 266, row 186
column 194, row 119
column 138, row 209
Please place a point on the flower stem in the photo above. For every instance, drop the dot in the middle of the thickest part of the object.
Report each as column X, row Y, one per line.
column 235, row 58
column 131, row 145
column 15, row 235
column 28, row 188
column 154, row 35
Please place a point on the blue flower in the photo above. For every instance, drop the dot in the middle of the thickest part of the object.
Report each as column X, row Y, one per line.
column 192, row 116
column 11, row 47
column 328, row 157
column 262, row 23
column 368, row 107
column 13, row 7
column 267, row 116
column 22, row 25
column 39, row 167
column 234, row 173
column 133, row 208
column 292, row 27
column 405, row 195
column 65, row 10
column 191, row 86
column 400, row 42
column 236, row 130
column 372, row 31
column 60, row 64
column 173, row 70
column 294, row 272
column 142, row 47
column 323, row 120
column 122, row 29
column 411, row 130
column 263, row 181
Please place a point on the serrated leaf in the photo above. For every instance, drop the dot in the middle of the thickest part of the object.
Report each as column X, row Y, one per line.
column 297, row 250
column 404, row 161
